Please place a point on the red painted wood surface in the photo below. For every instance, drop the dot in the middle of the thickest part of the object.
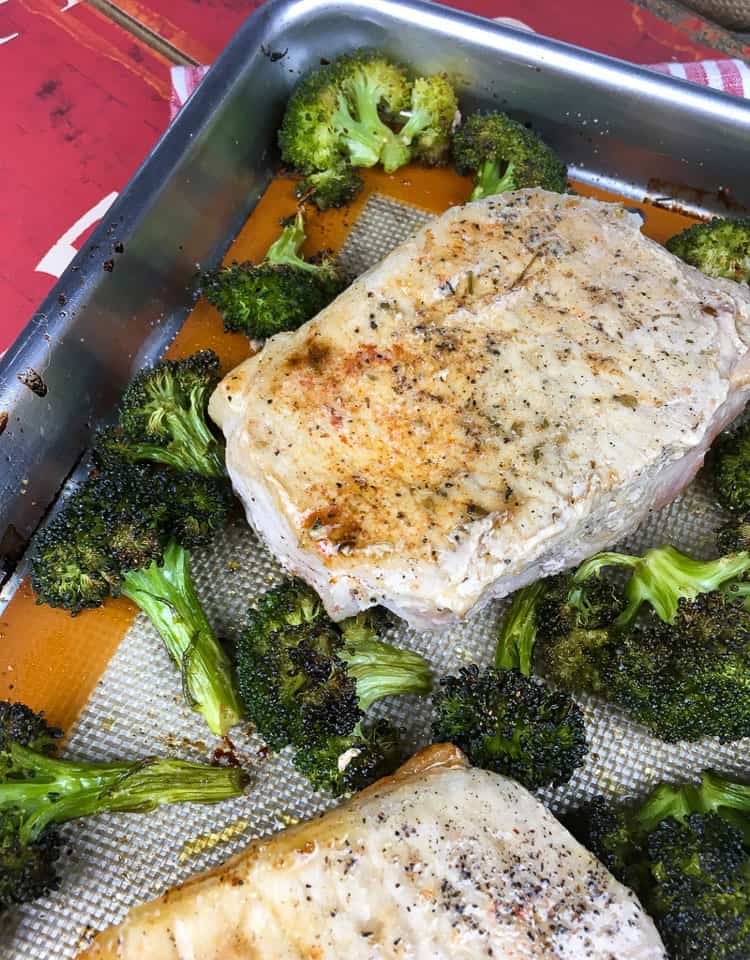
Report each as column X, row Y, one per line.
column 84, row 100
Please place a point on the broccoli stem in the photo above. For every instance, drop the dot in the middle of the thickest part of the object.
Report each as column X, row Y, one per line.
column 61, row 790
column 489, row 181
column 382, row 670
column 715, row 794
column 367, row 138
column 515, row 645
column 286, row 249
column 196, row 448
column 664, row 576
column 165, row 593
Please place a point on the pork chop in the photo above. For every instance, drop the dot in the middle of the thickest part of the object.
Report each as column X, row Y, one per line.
column 505, row 394
column 438, row 861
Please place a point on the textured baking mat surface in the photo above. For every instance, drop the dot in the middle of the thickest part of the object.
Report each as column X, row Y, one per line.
column 119, row 860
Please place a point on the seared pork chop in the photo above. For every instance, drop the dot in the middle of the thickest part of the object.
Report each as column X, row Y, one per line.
column 503, row 395
column 438, row 861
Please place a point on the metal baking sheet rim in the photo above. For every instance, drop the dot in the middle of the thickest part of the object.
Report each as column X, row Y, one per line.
column 27, row 485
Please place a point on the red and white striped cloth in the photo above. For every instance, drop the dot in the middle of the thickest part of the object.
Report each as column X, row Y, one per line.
column 731, row 76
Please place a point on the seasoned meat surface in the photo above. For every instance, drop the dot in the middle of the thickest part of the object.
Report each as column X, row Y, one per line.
column 504, row 394
column 438, row 861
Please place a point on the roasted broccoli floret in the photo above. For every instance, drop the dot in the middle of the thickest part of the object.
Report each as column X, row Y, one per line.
column 346, row 764
column 342, row 116
column 573, row 624
column 506, row 720
column 431, row 115
column 280, row 293
column 503, row 155
column 720, row 248
column 125, row 531
column 677, row 664
column 305, row 679
column 335, row 121
column 686, row 853
column 664, row 576
column 163, row 417
column 731, row 469
column 39, row 791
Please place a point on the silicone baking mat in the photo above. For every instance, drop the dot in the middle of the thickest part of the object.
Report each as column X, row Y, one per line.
column 137, row 709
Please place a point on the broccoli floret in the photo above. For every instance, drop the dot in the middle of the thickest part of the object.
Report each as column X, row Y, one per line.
column 342, row 116
column 333, row 187
column 342, row 765
column 38, row 792
column 685, row 678
column 664, row 576
column 686, row 852
column 126, row 531
column 503, row 718
column 280, row 293
column 731, row 469
column 305, row 679
column 734, row 537
column 163, row 417
column 431, row 115
column 573, row 621
column 503, row 155
column 335, row 121
column 720, row 248
column 512, row 724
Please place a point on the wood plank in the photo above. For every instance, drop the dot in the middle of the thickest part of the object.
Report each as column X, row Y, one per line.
column 642, row 31
column 83, row 104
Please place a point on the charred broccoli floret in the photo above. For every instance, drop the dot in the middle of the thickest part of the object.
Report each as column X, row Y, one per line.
column 720, row 248
column 573, row 623
column 663, row 576
column 686, row 853
column 731, row 469
column 346, row 764
column 163, row 417
column 503, row 154
column 677, row 664
column 306, row 680
column 39, row 791
column 125, row 531
column 280, row 293
column 342, row 116
column 506, row 720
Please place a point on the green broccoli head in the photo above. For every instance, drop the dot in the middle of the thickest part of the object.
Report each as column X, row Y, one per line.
column 345, row 764
column 126, row 531
column 700, row 893
column 505, row 155
column 685, row 851
column 511, row 724
column 334, row 121
column 720, row 248
column 39, row 791
column 333, row 187
column 731, row 469
column 431, row 116
column 734, row 536
column 305, row 679
column 163, row 418
column 21, row 725
column 281, row 293
column 341, row 116
column 28, row 867
column 573, row 622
